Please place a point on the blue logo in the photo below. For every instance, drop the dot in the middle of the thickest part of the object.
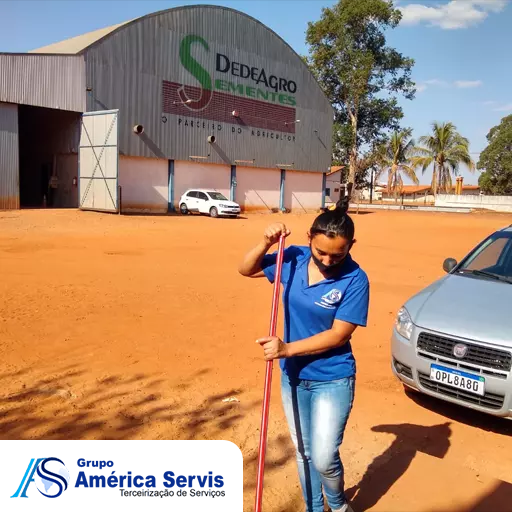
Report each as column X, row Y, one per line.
column 333, row 297
column 50, row 476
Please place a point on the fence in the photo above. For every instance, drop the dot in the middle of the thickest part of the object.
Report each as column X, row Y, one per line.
column 495, row 203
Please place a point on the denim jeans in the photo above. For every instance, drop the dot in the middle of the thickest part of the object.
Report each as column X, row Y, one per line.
column 317, row 413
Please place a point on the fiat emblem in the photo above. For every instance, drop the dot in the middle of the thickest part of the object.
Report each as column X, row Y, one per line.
column 460, row 350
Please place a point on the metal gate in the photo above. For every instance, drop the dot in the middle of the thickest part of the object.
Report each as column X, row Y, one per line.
column 98, row 167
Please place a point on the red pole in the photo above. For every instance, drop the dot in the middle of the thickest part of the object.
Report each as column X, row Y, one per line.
column 268, row 380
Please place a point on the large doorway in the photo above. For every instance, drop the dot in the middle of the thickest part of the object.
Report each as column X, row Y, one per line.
column 48, row 143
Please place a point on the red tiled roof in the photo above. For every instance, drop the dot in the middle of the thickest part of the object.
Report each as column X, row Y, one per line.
column 334, row 169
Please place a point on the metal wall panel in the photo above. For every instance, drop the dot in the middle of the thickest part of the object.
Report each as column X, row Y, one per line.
column 139, row 70
column 52, row 81
column 9, row 157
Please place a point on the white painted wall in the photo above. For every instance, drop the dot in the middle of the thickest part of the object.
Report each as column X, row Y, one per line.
column 144, row 184
column 332, row 184
column 496, row 203
column 303, row 191
column 199, row 175
column 258, row 189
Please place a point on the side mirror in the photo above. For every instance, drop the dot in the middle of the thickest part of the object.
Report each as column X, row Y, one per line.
column 449, row 264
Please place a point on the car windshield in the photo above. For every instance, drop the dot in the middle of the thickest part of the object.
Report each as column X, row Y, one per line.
column 492, row 260
column 217, row 196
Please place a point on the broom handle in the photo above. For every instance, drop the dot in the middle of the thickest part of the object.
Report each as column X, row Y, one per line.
column 268, row 380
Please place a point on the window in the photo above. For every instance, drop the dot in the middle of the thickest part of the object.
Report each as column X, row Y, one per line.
column 202, row 195
column 495, row 256
column 328, row 191
column 192, row 194
column 217, row 196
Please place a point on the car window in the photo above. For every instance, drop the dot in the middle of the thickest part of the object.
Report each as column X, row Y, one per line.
column 495, row 257
column 202, row 195
column 192, row 194
column 217, row 196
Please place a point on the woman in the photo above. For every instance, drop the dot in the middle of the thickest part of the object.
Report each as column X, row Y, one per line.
column 325, row 296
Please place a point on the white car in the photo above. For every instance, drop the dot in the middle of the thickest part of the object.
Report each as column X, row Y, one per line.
column 208, row 201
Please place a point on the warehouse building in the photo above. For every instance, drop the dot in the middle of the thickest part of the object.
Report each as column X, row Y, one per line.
column 130, row 116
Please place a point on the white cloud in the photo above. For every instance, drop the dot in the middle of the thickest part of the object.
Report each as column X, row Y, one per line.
column 436, row 81
column 467, row 84
column 452, row 15
column 461, row 84
column 504, row 108
column 488, row 103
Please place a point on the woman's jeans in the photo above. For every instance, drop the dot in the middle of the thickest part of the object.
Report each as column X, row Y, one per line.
column 317, row 413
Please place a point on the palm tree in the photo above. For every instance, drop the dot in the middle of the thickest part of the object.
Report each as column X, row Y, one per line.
column 395, row 157
column 446, row 149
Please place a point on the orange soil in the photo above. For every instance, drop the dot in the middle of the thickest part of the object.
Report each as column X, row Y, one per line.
column 137, row 327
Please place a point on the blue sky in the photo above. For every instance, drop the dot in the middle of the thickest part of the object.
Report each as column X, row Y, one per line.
column 461, row 48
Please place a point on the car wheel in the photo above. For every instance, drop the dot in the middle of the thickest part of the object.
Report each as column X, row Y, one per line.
column 214, row 212
column 183, row 209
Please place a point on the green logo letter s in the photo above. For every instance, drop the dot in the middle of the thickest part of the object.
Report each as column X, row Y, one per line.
column 197, row 71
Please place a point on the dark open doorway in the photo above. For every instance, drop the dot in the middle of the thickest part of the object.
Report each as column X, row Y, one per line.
column 48, row 143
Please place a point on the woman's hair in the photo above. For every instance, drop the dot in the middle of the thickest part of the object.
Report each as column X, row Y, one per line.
column 333, row 223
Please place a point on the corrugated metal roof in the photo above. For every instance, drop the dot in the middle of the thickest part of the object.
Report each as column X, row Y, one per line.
column 79, row 43
column 51, row 81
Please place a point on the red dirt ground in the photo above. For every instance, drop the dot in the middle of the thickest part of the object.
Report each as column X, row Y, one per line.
column 119, row 327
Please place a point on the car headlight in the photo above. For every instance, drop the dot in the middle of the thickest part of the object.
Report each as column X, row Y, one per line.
column 403, row 323
column 224, row 205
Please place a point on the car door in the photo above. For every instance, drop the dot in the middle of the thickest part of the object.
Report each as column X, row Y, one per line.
column 191, row 201
column 203, row 203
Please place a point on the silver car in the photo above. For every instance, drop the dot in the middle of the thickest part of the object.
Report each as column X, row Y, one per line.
column 453, row 340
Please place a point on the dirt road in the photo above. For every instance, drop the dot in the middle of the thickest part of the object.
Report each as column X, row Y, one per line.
column 138, row 327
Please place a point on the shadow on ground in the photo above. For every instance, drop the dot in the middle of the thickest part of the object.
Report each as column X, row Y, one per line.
column 387, row 468
column 462, row 414
column 68, row 404
column 497, row 499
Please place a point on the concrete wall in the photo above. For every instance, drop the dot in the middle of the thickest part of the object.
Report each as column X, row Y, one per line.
column 332, row 183
column 9, row 157
column 303, row 191
column 496, row 203
column 144, row 183
column 258, row 189
column 199, row 175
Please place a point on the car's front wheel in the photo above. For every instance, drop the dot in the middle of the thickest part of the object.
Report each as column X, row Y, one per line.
column 214, row 212
column 183, row 209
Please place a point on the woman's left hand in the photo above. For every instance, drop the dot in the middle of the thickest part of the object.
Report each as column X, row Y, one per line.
column 273, row 348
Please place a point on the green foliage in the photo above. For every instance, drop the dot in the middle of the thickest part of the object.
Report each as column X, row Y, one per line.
column 496, row 159
column 445, row 149
column 396, row 158
column 360, row 75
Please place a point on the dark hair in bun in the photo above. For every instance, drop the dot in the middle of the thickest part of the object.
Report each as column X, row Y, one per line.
column 336, row 222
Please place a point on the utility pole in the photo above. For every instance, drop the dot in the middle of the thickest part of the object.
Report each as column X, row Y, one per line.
column 371, row 186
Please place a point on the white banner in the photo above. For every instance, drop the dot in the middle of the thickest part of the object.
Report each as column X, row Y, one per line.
column 192, row 476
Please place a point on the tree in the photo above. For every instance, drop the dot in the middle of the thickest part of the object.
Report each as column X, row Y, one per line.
column 446, row 149
column 360, row 75
column 395, row 158
column 496, row 159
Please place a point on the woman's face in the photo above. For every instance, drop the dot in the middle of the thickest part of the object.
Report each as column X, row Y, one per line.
column 329, row 253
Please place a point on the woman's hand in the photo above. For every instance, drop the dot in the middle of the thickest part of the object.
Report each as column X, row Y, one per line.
column 274, row 232
column 273, row 348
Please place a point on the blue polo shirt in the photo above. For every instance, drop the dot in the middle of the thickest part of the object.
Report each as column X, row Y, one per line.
column 310, row 310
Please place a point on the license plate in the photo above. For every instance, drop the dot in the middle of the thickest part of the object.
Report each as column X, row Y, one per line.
column 457, row 379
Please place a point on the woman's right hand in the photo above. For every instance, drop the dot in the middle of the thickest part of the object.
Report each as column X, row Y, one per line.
column 274, row 232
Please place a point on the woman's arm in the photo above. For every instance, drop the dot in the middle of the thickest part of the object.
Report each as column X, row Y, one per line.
column 251, row 264
column 337, row 336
